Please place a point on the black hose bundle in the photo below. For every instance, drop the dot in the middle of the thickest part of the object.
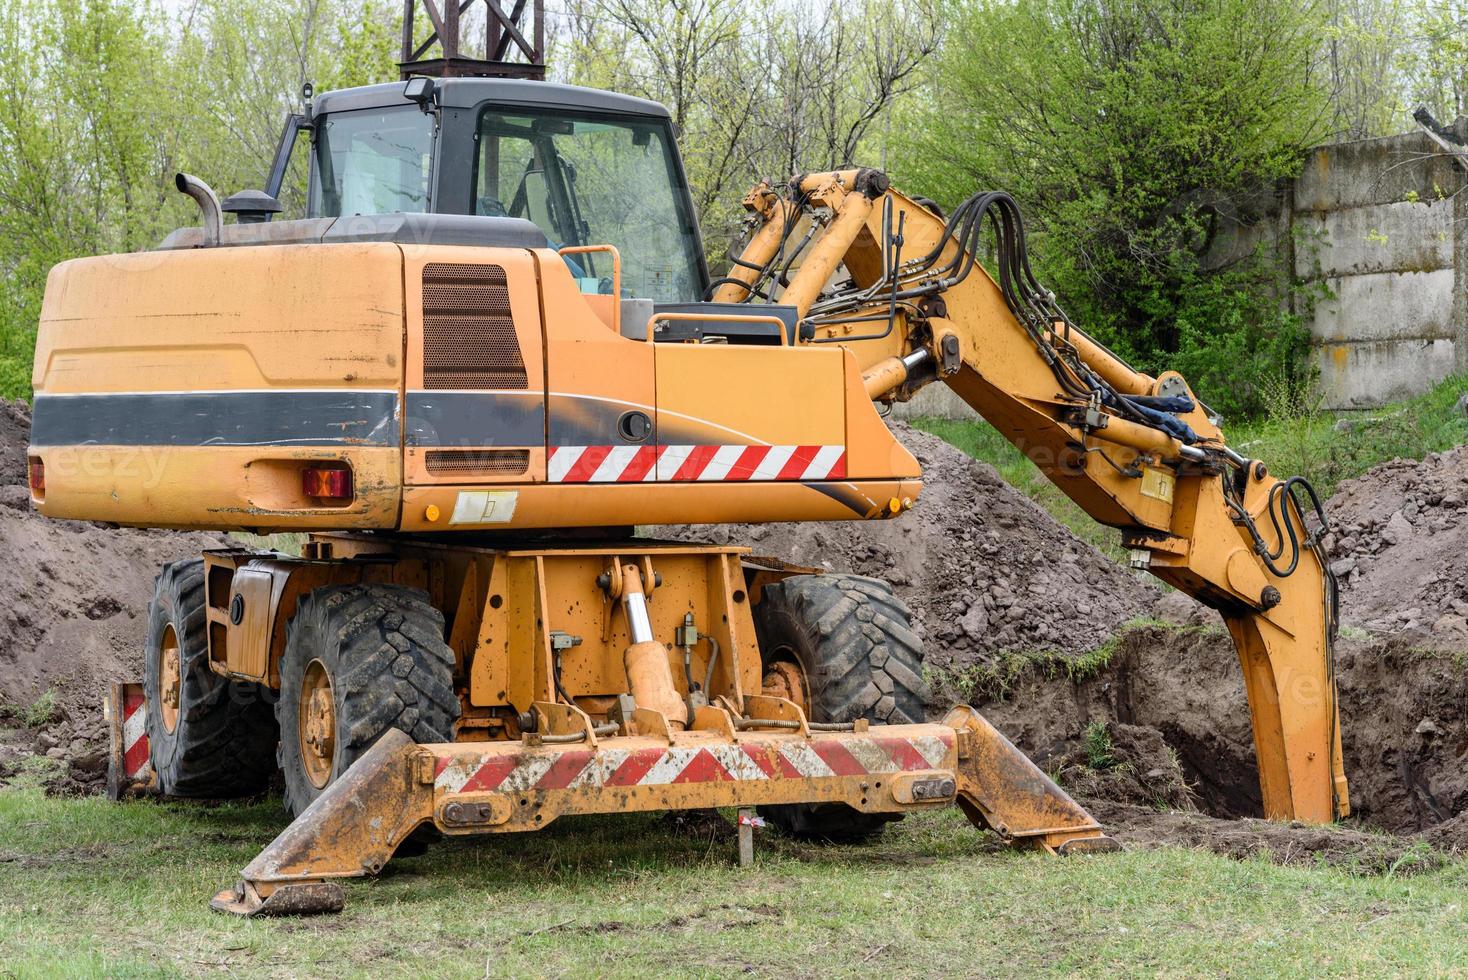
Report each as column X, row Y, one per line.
column 1031, row 303
column 1282, row 499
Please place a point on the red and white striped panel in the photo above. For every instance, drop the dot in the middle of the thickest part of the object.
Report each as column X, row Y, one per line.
column 643, row 464
column 661, row 765
column 135, row 762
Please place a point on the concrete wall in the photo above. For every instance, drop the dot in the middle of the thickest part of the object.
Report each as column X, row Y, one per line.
column 937, row 400
column 1379, row 223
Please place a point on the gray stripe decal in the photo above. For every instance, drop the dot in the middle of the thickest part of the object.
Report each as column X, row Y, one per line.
column 473, row 419
column 217, row 418
column 583, row 421
column 590, row 421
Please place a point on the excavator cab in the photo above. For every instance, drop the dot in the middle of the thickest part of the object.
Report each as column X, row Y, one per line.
column 584, row 167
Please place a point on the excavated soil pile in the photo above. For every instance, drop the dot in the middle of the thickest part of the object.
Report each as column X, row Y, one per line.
column 72, row 616
column 983, row 567
column 1399, row 549
column 990, row 575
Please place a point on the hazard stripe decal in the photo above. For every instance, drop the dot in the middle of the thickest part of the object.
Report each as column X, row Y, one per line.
column 671, row 765
column 135, row 759
column 680, row 464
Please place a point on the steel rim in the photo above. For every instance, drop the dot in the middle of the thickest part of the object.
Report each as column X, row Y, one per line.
column 170, row 679
column 785, row 678
column 316, row 731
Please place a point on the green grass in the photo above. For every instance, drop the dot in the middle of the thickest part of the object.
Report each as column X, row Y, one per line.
column 1097, row 740
column 41, row 710
column 1296, row 439
column 124, row 895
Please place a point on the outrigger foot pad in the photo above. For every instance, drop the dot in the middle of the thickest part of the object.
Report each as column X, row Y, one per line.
column 306, row 898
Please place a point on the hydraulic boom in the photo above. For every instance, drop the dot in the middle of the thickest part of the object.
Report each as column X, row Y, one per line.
column 1139, row 453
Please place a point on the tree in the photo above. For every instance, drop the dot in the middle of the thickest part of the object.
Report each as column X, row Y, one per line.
column 100, row 103
column 757, row 89
column 1128, row 131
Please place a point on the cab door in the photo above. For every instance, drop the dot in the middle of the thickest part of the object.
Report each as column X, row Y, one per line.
column 601, row 415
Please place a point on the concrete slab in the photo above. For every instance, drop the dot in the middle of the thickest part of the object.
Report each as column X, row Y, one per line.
column 937, row 400
column 1399, row 237
column 1387, row 306
column 1379, row 171
column 1371, row 374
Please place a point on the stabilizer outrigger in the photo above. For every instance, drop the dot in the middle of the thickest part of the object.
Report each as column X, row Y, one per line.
column 768, row 756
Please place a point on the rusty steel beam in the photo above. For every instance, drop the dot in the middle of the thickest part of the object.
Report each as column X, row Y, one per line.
column 514, row 41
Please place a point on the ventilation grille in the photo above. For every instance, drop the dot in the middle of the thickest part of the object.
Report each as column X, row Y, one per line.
column 468, row 334
column 487, row 462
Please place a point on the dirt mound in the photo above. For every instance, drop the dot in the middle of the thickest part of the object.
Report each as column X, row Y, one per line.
column 984, row 568
column 1398, row 549
column 1404, row 722
column 1126, row 764
column 15, row 435
column 73, row 601
column 1362, row 852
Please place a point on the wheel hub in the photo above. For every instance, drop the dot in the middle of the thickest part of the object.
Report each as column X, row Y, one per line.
column 785, row 679
column 317, row 724
column 170, row 678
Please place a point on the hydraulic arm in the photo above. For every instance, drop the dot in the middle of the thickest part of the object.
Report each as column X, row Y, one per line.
column 1139, row 453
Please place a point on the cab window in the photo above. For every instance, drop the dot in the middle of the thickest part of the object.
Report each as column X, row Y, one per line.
column 373, row 161
column 589, row 179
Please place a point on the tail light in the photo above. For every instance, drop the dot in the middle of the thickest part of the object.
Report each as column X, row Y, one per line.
column 327, row 484
column 36, row 476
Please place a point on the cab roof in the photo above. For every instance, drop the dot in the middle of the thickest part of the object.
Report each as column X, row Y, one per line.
column 465, row 93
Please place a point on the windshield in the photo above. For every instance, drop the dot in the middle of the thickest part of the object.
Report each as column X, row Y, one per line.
column 374, row 161
column 589, row 179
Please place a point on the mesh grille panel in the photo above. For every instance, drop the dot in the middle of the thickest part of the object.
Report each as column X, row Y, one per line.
column 496, row 462
column 468, row 334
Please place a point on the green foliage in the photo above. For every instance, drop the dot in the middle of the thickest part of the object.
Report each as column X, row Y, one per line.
column 1096, row 739
column 41, row 711
column 1132, row 134
column 100, row 103
column 1234, row 338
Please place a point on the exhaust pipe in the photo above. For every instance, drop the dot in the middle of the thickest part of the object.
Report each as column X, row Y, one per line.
column 208, row 203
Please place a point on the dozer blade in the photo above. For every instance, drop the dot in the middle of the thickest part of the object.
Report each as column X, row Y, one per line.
column 1000, row 788
column 496, row 787
column 350, row 830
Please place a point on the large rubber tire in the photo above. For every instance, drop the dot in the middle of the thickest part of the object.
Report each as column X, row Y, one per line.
column 223, row 740
column 383, row 649
column 853, row 640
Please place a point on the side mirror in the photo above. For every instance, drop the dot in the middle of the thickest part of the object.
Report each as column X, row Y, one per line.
column 421, row 91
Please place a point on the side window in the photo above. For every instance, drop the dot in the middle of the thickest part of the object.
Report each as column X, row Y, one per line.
column 505, row 163
column 372, row 161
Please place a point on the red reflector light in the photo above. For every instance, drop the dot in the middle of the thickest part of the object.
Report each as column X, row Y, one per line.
column 327, row 484
column 37, row 476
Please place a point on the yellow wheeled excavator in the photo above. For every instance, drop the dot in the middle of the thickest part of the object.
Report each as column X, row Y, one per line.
column 492, row 349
